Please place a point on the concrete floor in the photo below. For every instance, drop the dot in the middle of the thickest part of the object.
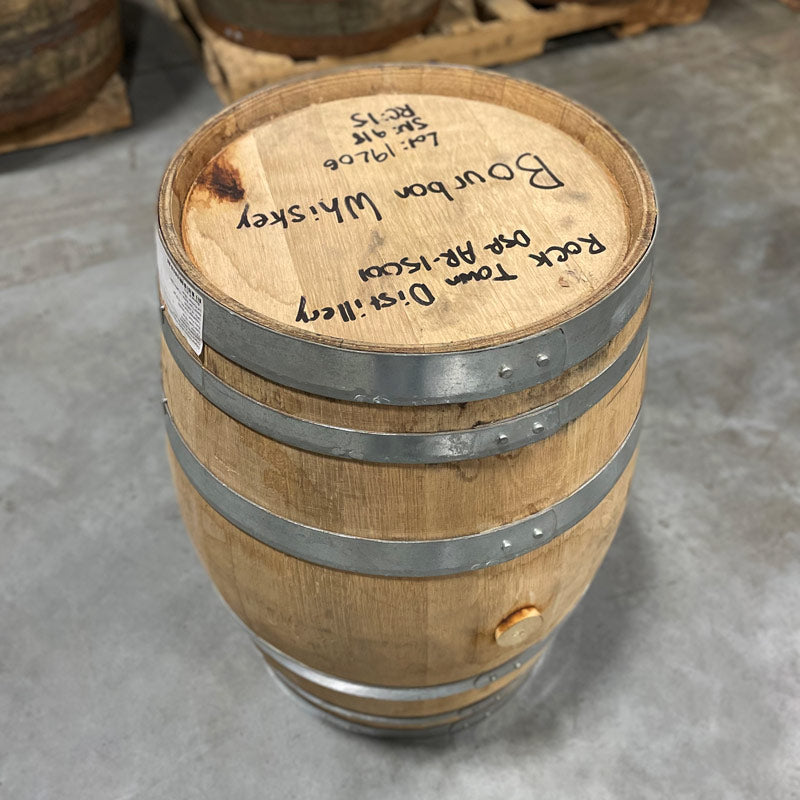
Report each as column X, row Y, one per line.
column 121, row 674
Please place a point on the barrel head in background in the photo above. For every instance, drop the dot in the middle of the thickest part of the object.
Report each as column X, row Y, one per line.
column 404, row 357
column 322, row 27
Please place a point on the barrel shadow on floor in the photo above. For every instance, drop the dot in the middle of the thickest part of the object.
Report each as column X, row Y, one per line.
column 161, row 69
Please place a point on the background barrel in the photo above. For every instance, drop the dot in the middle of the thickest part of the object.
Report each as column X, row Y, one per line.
column 54, row 56
column 403, row 392
column 310, row 28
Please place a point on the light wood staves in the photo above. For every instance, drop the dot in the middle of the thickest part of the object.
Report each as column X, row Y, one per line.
column 285, row 148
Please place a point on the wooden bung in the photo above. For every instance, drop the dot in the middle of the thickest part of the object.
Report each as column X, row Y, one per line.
column 55, row 56
column 403, row 362
column 309, row 28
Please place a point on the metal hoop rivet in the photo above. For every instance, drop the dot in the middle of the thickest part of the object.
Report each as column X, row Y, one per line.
column 542, row 360
column 505, row 544
column 502, row 439
column 538, row 533
column 505, row 371
column 538, row 427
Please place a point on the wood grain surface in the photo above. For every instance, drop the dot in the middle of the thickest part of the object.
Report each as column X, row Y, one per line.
column 207, row 193
column 280, row 165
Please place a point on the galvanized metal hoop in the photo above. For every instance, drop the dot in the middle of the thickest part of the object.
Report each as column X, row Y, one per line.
column 401, row 558
column 401, row 727
column 502, row 436
column 416, row 378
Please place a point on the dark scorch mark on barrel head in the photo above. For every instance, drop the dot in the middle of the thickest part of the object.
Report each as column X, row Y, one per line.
column 222, row 179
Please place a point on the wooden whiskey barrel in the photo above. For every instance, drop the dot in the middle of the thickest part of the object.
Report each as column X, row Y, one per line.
column 55, row 55
column 308, row 28
column 403, row 361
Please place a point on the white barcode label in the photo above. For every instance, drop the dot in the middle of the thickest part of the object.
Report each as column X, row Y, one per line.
column 184, row 304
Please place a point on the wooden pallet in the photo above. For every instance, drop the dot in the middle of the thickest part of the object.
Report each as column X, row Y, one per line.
column 109, row 111
column 476, row 32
